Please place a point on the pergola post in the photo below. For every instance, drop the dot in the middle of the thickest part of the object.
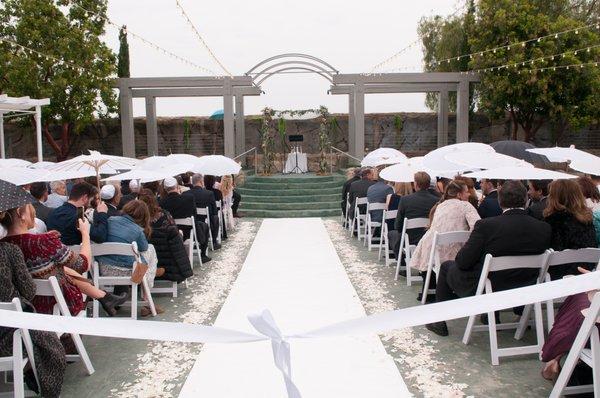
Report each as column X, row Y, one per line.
column 462, row 112
column 127, row 132
column 228, row 122
column 240, row 128
column 2, row 149
column 359, row 120
column 351, row 124
column 38, row 132
column 151, row 126
column 442, row 136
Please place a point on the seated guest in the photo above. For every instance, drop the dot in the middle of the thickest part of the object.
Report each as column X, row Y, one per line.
column 590, row 193
column 514, row 233
column 237, row 199
column 211, row 183
column 46, row 256
column 184, row 206
column 154, row 186
column 378, row 193
column 352, row 174
column 571, row 221
column 64, row 218
column 392, row 201
column 111, row 195
column 186, row 180
column 227, row 191
column 167, row 241
column 473, row 198
column 358, row 189
column 58, row 195
column 538, row 194
column 416, row 205
column 50, row 363
column 205, row 198
column 452, row 213
column 39, row 190
column 489, row 206
column 134, row 188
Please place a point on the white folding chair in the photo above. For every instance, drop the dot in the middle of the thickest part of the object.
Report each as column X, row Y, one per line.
column 407, row 249
column 120, row 249
column 384, row 243
column 17, row 361
column 440, row 239
column 578, row 352
column 371, row 225
column 220, row 213
column 359, row 220
column 346, row 219
column 204, row 212
column 192, row 241
column 494, row 264
column 50, row 288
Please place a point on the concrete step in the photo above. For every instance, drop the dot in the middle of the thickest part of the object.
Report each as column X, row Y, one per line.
column 290, row 192
column 274, row 197
column 245, row 206
column 297, row 178
column 291, row 213
column 292, row 185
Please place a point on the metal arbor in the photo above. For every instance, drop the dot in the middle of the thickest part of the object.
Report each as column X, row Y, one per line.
column 355, row 86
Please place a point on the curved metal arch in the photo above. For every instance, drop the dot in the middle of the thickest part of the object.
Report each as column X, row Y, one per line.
column 270, row 74
column 291, row 55
column 291, row 63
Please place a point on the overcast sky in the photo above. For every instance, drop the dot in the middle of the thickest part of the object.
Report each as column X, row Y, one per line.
column 351, row 35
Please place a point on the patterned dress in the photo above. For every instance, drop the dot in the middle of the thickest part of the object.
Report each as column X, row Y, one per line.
column 16, row 282
column 46, row 256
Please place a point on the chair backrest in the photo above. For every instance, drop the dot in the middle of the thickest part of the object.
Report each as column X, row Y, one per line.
column 448, row 238
column 390, row 214
column 413, row 223
column 185, row 222
column 493, row 264
column 50, row 288
column 202, row 211
column 15, row 305
column 114, row 248
column 586, row 255
column 376, row 206
column 75, row 248
column 361, row 201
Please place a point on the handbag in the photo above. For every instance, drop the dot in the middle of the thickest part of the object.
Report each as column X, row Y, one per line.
column 138, row 272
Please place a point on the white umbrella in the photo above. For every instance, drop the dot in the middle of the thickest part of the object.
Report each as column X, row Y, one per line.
column 590, row 166
column 162, row 164
column 44, row 164
column 485, row 160
column 22, row 175
column 563, row 154
column 436, row 160
column 519, row 173
column 142, row 175
column 382, row 156
column 217, row 165
column 14, row 163
column 403, row 172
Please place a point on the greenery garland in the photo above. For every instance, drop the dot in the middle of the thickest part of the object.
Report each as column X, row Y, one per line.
column 267, row 141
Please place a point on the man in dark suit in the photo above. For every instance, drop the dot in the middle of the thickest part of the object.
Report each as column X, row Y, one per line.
column 514, row 233
column 39, row 190
column 111, row 195
column 184, row 206
column 134, row 191
column 346, row 187
column 415, row 205
column 358, row 189
column 203, row 199
column 489, row 206
column 538, row 195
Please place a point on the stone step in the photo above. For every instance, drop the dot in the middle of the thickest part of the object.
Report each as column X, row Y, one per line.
column 272, row 197
column 292, row 185
column 290, row 192
column 292, row 213
column 297, row 178
column 245, row 206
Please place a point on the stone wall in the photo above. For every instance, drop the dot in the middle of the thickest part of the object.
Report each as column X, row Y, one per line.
column 417, row 136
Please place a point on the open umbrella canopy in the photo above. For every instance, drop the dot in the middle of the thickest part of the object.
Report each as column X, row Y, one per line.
column 142, row 175
column 563, row 154
column 23, row 175
column 519, row 173
column 96, row 161
column 589, row 166
column 14, row 163
column 518, row 149
column 440, row 166
column 217, row 115
column 217, row 165
column 383, row 156
column 44, row 164
column 485, row 160
column 11, row 196
column 403, row 172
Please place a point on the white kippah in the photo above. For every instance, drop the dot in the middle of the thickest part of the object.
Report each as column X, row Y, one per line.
column 107, row 192
column 170, row 182
column 134, row 185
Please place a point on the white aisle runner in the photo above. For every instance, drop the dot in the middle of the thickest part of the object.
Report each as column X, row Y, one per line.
column 293, row 270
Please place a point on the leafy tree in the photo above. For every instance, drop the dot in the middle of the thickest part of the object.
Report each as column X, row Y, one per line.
column 77, row 78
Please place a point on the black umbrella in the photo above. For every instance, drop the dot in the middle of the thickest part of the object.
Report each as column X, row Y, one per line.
column 11, row 196
column 518, row 149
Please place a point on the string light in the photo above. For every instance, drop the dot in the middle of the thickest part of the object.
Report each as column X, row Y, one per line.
column 199, row 36
column 31, row 51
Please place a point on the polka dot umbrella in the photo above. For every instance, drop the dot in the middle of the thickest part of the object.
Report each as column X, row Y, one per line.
column 11, row 196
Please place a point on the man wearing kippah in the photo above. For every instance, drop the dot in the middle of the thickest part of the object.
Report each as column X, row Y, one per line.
column 111, row 194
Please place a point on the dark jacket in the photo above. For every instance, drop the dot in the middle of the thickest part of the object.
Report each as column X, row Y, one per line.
column 64, row 220
column 171, row 253
column 180, row 206
column 112, row 210
column 41, row 211
column 569, row 233
column 358, row 189
column 415, row 205
column 513, row 233
column 489, row 206
column 126, row 199
column 345, row 190
column 536, row 209
column 203, row 198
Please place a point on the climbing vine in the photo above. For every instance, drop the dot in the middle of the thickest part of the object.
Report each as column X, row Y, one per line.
column 267, row 140
column 327, row 124
column 187, row 132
